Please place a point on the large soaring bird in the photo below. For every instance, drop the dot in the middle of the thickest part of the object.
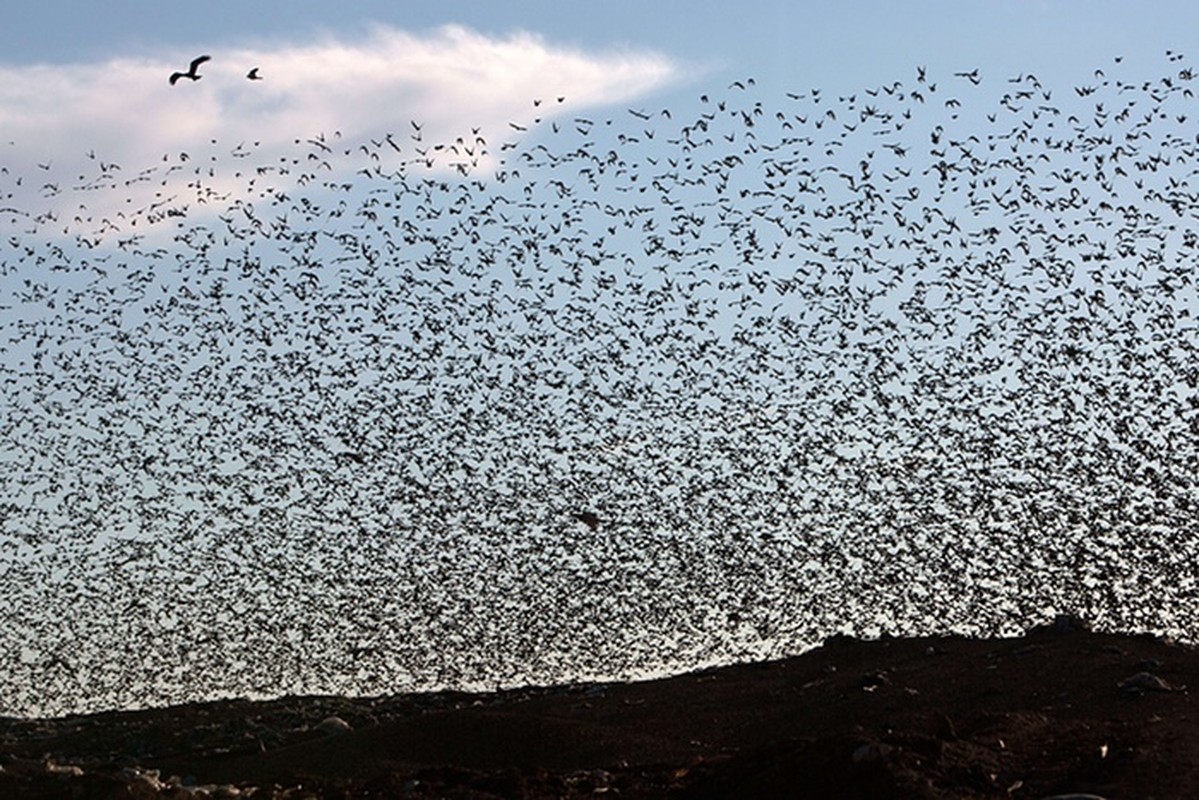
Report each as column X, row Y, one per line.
column 191, row 70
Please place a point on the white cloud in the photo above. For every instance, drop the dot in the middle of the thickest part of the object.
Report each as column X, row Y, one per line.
column 449, row 81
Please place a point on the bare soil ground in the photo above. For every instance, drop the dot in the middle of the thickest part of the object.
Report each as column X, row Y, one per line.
column 1060, row 710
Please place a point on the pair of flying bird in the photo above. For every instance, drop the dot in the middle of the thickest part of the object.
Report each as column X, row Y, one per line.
column 194, row 75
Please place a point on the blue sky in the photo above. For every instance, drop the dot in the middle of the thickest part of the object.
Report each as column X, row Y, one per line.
column 852, row 39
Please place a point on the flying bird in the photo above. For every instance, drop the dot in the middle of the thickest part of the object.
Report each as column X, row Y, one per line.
column 191, row 70
column 588, row 518
column 253, row 75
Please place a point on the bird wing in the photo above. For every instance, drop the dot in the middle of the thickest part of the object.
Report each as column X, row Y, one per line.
column 175, row 76
column 197, row 62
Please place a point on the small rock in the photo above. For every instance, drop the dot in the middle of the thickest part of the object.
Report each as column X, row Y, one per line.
column 1146, row 682
column 873, row 680
column 151, row 778
column 62, row 769
column 871, row 751
column 332, row 725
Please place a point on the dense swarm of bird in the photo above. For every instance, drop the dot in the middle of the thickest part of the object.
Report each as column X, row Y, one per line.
column 612, row 396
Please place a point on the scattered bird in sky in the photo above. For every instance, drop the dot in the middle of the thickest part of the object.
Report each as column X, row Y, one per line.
column 253, row 75
column 971, row 76
column 191, row 70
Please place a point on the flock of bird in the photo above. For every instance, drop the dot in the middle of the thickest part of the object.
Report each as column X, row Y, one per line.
column 599, row 397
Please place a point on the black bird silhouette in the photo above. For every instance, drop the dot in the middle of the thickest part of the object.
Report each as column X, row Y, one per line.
column 253, row 75
column 191, row 70
column 588, row 518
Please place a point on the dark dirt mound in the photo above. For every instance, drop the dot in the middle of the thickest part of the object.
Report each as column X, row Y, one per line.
column 1059, row 710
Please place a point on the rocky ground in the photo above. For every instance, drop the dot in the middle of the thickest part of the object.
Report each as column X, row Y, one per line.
column 1058, row 711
